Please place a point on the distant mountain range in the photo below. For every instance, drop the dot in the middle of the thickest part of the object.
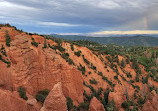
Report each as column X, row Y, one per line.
column 127, row 40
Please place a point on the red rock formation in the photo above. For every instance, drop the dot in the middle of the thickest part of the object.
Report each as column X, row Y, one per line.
column 151, row 103
column 37, row 69
column 55, row 101
column 95, row 105
column 12, row 102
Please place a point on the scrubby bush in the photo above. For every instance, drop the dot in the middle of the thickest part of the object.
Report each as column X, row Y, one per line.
column 59, row 47
column 70, row 61
column 69, row 103
column 85, row 60
column 82, row 69
column 3, row 51
column 34, row 42
column 101, row 59
column 41, row 95
column 129, row 75
column 72, row 47
column 141, row 101
column 7, row 39
column 83, row 106
column 3, row 60
column 112, row 65
column 111, row 106
column 123, row 63
column 125, row 105
column 45, row 44
column 93, row 67
column 22, row 92
column 145, row 79
column 100, row 73
column 137, row 77
column 78, row 53
column 116, row 59
column 65, row 55
column 123, row 77
column 106, row 79
column 106, row 98
column 93, row 81
column 127, row 60
column 131, row 81
column 116, row 77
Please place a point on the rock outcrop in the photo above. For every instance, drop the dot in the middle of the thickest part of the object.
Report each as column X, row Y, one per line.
column 38, row 68
column 95, row 105
column 55, row 101
column 151, row 103
column 11, row 102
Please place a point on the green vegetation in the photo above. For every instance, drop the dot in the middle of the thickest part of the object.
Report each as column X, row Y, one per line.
column 145, row 79
column 93, row 81
column 41, row 95
column 65, row 55
column 72, row 47
column 7, row 25
column 127, row 60
column 93, row 67
column 138, row 40
column 34, row 43
column 128, row 74
column 3, row 60
column 82, row 69
column 106, row 98
column 78, row 53
column 70, row 61
column 69, row 103
column 58, row 47
column 123, row 63
column 7, row 39
column 85, row 60
column 125, row 105
column 83, row 106
column 135, row 57
column 22, row 92
column 116, row 77
column 45, row 44
column 109, row 82
column 101, row 59
column 3, row 51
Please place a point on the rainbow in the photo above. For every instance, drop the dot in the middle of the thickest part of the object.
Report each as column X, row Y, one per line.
column 145, row 23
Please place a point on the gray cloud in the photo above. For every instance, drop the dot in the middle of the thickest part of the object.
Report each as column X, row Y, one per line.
column 102, row 14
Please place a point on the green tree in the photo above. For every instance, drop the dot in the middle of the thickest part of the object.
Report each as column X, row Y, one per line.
column 41, row 95
column 45, row 44
column 8, row 39
column 123, row 63
column 72, row 47
column 22, row 92
column 69, row 103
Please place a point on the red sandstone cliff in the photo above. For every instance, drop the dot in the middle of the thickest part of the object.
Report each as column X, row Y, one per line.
column 38, row 68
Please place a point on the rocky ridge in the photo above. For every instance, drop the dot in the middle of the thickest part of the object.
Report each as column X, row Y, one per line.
column 79, row 73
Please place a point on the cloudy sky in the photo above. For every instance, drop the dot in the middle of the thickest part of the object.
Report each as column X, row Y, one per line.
column 93, row 17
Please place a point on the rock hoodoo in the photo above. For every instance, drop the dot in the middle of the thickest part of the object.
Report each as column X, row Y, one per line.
column 55, row 101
